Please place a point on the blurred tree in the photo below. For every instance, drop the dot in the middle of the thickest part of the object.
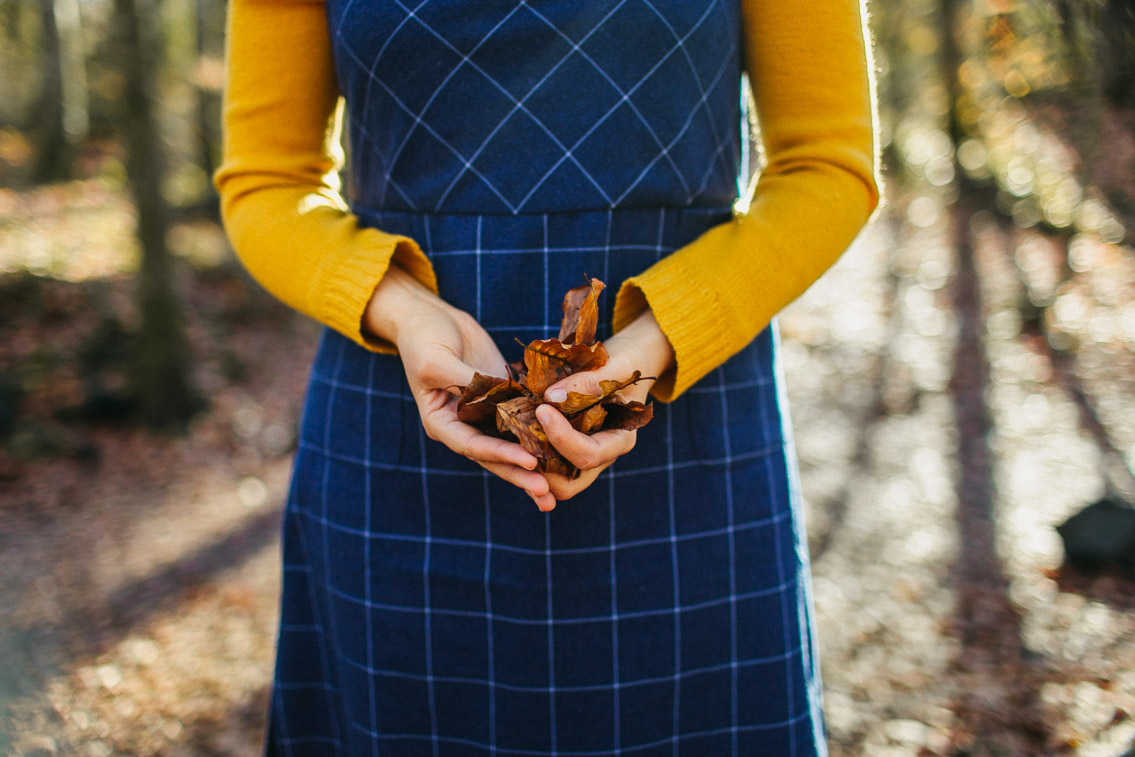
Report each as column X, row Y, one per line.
column 1101, row 39
column 61, row 116
column 1102, row 36
column 160, row 364
column 208, row 79
column 52, row 150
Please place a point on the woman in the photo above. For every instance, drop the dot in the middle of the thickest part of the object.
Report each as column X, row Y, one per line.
column 501, row 151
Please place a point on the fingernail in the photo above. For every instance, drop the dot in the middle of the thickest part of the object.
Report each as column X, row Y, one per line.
column 555, row 395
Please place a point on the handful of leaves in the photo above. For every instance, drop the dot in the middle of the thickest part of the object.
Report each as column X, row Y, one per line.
column 506, row 407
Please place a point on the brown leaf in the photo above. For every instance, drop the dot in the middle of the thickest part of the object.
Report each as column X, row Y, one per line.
column 581, row 313
column 518, row 416
column 550, row 360
column 507, row 406
column 577, row 401
column 478, row 400
column 589, row 420
column 626, row 415
column 477, row 387
column 560, row 465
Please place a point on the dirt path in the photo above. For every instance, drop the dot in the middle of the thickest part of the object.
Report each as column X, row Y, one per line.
column 934, row 476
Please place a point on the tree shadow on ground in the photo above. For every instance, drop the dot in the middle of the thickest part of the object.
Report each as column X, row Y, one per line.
column 997, row 697
column 92, row 625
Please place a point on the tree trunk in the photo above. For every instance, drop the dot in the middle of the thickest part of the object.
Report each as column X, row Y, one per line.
column 208, row 113
column 160, row 365
column 53, row 159
column 997, row 703
column 61, row 115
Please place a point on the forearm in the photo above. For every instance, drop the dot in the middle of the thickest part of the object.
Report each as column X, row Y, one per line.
column 809, row 67
column 278, row 182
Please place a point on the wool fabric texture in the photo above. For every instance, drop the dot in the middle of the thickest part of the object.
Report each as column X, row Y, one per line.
column 500, row 152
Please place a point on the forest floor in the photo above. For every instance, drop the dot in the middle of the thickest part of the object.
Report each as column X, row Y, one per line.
column 138, row 574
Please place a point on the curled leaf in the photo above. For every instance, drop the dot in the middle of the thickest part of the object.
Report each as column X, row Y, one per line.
column 581, row 313
column 577, row 401
column 626, row 415
column 518, row 416
column 550, row 360
column 478, row 400
column 588, row 420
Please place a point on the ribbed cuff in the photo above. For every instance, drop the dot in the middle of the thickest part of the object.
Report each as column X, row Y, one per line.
column 347, row 284
column 702, row 327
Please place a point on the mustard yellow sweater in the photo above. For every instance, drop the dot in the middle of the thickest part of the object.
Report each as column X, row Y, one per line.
column 810, row 74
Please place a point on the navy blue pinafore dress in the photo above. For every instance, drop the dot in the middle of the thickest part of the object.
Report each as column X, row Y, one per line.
column 428, row 608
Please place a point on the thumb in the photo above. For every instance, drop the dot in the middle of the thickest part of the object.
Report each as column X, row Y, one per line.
column 584, row 382
column 441, row 369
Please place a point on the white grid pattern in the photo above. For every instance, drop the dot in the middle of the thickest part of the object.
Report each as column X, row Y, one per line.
column 690, row 179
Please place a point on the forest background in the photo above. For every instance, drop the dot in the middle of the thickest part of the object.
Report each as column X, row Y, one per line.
column 961, row 383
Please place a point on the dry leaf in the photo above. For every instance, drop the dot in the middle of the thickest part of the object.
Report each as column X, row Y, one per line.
column 507, row 406
column 627, row 415
column 589, row 420
column 478, row 400
column 518, row 416
column 550, row 360
column 581, row 313
column 577, row 402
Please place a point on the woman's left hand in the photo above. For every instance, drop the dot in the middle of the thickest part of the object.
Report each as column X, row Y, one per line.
column 641, row 346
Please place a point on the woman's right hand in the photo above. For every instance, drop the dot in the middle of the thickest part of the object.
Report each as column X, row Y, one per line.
column 441, row 347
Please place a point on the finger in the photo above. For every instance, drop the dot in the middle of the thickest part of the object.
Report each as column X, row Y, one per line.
column 532, row 482
column 481, row 448
column 585, row 382
column 545, row 503
column 441, row 369
column 589, row 382
column 582, row 450
column 564, row 488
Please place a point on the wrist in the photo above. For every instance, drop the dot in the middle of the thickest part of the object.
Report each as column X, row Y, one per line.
column 653, row 352
column 397, row 296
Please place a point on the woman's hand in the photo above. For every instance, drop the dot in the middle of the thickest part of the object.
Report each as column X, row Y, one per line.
column 441, row 347
column 641, row 346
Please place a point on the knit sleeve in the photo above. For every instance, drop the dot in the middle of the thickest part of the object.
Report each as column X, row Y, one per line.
column 810, row 72
column 278, row 181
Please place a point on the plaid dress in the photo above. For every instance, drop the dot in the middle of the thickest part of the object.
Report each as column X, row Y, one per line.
column 428, row 607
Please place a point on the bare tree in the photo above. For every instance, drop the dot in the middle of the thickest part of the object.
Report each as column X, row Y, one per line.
column 61, row 114
column 160, row 368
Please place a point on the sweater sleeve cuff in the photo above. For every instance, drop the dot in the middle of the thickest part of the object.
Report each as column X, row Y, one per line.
column 701, row 326
column 348, row 281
